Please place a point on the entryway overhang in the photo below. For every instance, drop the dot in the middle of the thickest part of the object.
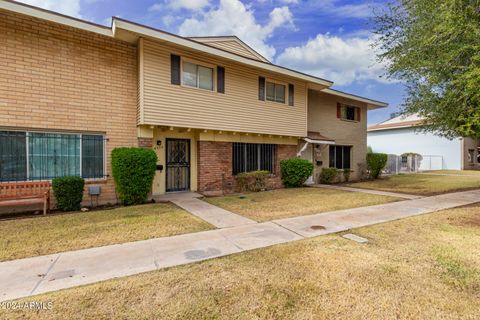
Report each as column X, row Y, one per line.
column 314, row 138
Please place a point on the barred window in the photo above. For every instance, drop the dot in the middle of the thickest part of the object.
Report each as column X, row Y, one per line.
column 340, row 157
column 252, row 156
column 44, row 156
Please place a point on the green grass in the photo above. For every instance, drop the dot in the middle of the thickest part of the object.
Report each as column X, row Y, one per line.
column 42, row 235
column 424, row 267
column 421, row 184
column 282, row 203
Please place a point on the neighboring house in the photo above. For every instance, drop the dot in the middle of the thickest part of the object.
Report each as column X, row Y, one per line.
column 212, row 107
column 402, row 134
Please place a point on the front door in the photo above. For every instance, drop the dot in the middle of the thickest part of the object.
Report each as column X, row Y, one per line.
column 178, row 165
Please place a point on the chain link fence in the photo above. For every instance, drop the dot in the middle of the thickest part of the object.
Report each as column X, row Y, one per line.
column 412, row 164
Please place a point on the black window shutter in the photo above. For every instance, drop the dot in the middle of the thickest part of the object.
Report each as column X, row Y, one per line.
column 261, row 88
column 291, row 90
column 175, row 69
column 220, row 79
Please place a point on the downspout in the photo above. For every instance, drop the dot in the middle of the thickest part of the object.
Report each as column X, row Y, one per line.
column 299, row 153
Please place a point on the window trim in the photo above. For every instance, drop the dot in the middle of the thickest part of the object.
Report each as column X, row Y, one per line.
column 356, row 108
column 335, row 156
column 202, row 64
column 80, row 134
column 267, row 80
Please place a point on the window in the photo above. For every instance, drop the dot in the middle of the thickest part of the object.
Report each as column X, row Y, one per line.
column 340, row 157
column 252, row 156
column 197, row 76
column 44, row 156
column 348, row 112
column 275, row 92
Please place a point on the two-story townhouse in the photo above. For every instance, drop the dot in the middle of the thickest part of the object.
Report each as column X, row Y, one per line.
column 212, row 107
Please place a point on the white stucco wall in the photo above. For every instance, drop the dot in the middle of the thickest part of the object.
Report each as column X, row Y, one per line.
column 398, row 141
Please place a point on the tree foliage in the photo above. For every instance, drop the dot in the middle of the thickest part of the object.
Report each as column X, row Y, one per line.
column 434, row 47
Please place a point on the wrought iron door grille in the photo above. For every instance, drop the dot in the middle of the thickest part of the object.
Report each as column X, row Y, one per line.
column 178, row 165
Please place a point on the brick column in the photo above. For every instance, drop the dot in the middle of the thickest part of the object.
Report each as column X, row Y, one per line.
column 215, row 167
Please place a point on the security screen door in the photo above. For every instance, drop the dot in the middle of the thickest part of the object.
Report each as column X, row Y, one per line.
column 178, row 165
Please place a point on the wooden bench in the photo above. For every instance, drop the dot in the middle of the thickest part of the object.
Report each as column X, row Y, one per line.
column 25, row 193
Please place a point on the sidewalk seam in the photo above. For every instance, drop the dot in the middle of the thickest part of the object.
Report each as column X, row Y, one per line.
column 46, row 274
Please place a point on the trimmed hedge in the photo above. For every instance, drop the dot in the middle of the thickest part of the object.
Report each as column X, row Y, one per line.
column 328, row 175
column 375, row 163
column 133, row 170
column 253, row 181
column 295, row 172
column 68, row 192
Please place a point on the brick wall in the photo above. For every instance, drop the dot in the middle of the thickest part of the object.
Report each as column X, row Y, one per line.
column 145, row 142
column 58, row 78
column 215, row 167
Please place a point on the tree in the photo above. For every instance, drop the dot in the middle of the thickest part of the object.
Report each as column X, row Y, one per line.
column 433, row 46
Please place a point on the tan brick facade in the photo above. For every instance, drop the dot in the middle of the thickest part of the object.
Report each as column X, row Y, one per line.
column 57, row 78
column 215, row 167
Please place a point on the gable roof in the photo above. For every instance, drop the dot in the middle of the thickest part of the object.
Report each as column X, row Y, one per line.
column 232, row 44
column 130, row 32
column 371, row 104
column 402, row 121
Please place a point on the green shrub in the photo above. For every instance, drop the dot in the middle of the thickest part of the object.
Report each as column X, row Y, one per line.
column 375, row 163
column 253, row 181
column 68, row 192
column 328, row 175
column 346, row 174
column 133, row 170
column 295, row 171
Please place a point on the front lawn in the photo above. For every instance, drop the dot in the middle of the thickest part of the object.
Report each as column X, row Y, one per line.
column 460, row 172
column 421, row 184
column 424, row 267
column 62, row 232
column 282, row 203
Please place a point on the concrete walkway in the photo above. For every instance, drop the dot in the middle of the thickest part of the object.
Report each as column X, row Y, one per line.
column 214, row 215
column 26, row 277
column 381, row 193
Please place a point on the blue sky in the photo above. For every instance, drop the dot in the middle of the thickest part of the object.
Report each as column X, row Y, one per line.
column 327, row 38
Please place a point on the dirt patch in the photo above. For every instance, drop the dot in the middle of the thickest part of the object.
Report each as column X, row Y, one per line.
column 470, row 221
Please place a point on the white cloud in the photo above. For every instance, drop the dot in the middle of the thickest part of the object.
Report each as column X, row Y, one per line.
column 68, row 7
column 342, row 60
column 193, row 5
column 289, row 1
column 232, row 17
column 363, row 10
column 332, row 7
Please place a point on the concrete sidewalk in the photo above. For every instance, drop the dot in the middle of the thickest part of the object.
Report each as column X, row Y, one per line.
column 342, row 220
column 25, row 277
column 377, row 192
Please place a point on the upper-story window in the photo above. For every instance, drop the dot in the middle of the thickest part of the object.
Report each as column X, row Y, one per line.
column 197, row 76
column 275, row 92
column 350, row 113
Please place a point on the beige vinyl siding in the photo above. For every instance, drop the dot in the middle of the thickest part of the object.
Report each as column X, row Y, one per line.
column 237, row 110
column 322, row 117
column 237, row 48
column 140, row 94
